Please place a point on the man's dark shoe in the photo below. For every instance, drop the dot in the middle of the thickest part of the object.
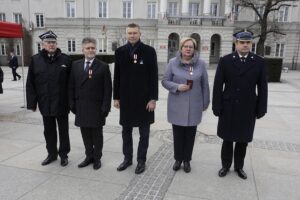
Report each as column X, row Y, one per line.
column 86, row 162
column 97, row 164
column 223, row 171
column 64, row 162
column 14, row 80
column 140, row 168
column 241, row 173
column 177, row 165
column 124, row 165
column 49, row 160
column 186, row 166
column 19, row 77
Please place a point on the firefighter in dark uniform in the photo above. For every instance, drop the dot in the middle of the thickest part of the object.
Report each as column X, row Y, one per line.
column 239, row 98
column 47, row 88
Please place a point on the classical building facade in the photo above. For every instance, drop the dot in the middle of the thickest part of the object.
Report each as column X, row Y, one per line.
column 163, row 23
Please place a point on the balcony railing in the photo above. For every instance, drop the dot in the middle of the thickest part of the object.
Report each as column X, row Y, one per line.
column 197, row 21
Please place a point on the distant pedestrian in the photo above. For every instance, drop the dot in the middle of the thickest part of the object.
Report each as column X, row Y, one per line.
column 47, row 88
column 187, row 81
column 239, row 98
column 1, row 80
column 13, row 64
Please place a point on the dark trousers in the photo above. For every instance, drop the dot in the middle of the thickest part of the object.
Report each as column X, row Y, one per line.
column 143, row 143
column 93, row 142
column 50, row 134
column 15, row 74
column 239, row 154
column 184, row 138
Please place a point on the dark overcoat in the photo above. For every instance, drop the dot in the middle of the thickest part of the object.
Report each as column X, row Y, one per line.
column 239, row 96
column 47, row 83
column 13, row 62
column 135, row 84
column 90, row 97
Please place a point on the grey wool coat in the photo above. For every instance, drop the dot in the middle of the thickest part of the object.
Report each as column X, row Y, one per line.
column 185, row 108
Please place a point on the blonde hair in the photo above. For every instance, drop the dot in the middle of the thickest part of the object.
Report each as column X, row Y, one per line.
column 185, row 39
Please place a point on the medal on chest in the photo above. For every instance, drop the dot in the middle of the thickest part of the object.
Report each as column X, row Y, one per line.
column 191, row 69
column 135, row 58
column 90, row 73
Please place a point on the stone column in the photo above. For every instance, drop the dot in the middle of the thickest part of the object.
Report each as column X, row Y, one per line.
column 163, row 8
column 185, row 8
column 206, row 7
column 228, row 5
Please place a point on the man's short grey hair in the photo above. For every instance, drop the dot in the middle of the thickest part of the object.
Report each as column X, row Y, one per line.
column 87, row 40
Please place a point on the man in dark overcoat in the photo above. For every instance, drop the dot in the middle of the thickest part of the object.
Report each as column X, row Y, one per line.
column 135, row 94
column 90, row 92
column 1, row 80
column 239, row 98
column 13, row 64
column 47, row 88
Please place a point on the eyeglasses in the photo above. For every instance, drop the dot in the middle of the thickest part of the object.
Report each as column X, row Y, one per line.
column 188, row 47
column 244, row 42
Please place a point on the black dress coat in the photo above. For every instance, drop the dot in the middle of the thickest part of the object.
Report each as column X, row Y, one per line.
column 13, row 62
column 47, row 83
column 90, row 98
column 239, row 96
column 135, row 84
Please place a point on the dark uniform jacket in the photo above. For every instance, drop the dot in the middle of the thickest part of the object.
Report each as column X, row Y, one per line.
column 239, row 96
column 90, row 98
column 47, row 83
column 13, row 62
column 135, row 84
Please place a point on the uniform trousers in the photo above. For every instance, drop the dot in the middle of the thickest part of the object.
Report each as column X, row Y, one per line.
column 143, row 143
column 93, row 142
column 50, row 134
column 239, row 154
column 184, row 138
column 15, row 74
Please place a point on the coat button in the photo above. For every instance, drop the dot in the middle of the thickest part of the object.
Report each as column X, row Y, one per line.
column 238, row 89
column 236, row 101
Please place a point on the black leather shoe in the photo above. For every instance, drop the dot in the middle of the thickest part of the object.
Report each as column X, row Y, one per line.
column 186, row 166
column 177, row 165
column 140, row 168
column 19, row 77
column 64, row 162
column 124, row 165
column 241, row 173
column 49, row 160
column 97, row 164
column 86, row 162
column 223, row 171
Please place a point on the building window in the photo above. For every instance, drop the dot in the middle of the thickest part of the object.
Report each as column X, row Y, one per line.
column 70, row 8
column 236, row 9
column 71, row 45
column 102, row 45
column 38, row 47
column 194, row 9
column 102, row 9
column 3, row 50
column 151, row 10
column 172, row 9
column 150, row 42
column 214, row 9
column 39, row 20
column 18, row 50
column 261, row 11
column 127, row 9
column 212, row 49
column 18, row 18
column 279, row 50
column 267, row 50
column 254, row 47
column 283, row 14
column 2, row 17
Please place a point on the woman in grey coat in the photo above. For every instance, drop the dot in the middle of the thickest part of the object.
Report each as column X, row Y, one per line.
column 187, row 81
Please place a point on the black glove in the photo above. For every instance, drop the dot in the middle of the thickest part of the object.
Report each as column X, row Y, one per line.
column 105, row 114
